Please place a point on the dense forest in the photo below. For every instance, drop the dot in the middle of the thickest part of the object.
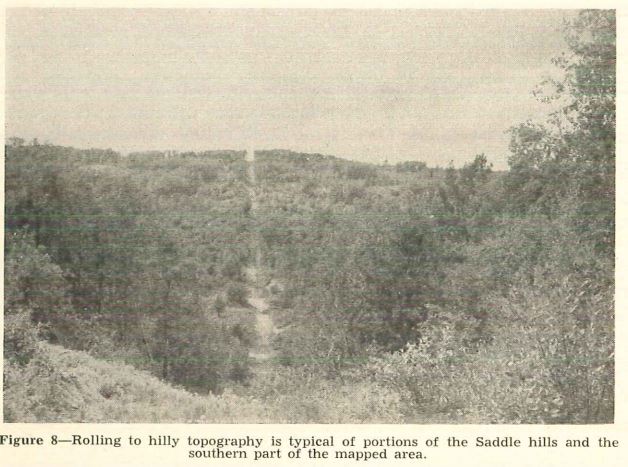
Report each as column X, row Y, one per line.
column 395, row 293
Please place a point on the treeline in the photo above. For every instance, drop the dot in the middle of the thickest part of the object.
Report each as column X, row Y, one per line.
column 225, row 155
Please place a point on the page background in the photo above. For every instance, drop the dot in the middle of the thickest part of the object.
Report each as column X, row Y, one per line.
column 58, row 456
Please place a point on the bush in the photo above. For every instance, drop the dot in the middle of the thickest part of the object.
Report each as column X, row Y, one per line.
column 350, row 397
column 219, row 306
column 32, row 280
column 569, row 324
column 238, row 294
column 20, row 337
column 550, row 360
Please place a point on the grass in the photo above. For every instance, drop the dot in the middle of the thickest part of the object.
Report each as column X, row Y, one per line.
column 60, row 385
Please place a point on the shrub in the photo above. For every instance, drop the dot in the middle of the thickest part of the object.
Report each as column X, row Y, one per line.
column 237, row 294
column 219, row 306
column 350, row 397
column 568, row 323
column 550, row 360
column 32, row 280
column 20, row 337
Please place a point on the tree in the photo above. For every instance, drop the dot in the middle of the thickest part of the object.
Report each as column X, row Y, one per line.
column 573, row 153
column 32, row 281
column 34, row 294
column 15, row 142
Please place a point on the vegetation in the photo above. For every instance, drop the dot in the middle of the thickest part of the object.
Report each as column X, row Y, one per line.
column 400, row 293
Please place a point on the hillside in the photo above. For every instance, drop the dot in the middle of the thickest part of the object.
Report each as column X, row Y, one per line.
column 63, row 385
column 60, row 385
column 310, row 286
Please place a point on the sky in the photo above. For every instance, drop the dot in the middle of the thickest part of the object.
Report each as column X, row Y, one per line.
column 371, row 85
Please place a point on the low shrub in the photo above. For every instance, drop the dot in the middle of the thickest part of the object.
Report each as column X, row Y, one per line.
column 237, row 294
column 20, row 337
column 550, row 361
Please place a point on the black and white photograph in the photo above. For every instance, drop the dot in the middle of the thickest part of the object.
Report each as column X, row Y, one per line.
column 309, row 216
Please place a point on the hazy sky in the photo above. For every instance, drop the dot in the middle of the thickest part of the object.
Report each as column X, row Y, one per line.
column 370, row 85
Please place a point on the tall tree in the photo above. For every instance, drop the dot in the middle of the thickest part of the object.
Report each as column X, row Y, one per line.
column 572, row 155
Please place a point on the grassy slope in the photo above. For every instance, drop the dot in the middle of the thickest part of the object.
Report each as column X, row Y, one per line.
column 60, row 385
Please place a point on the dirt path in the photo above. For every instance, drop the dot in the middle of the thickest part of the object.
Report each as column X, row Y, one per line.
column 264, row 323
column 258, row 297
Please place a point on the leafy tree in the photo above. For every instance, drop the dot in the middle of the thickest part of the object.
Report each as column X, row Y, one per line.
column 32, row 281
column 15, row 141
column 573, row 154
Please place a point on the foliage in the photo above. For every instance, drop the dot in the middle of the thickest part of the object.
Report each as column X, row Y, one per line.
column 573, row 153
column 237, row 295
column 92, row 252
column 21, row 337
column 551, row 361
column 33, row 281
